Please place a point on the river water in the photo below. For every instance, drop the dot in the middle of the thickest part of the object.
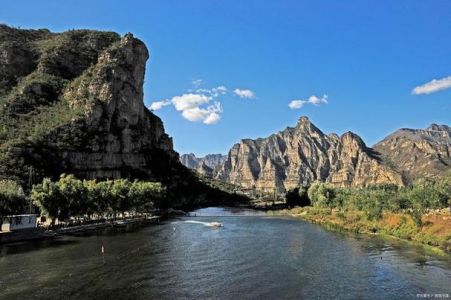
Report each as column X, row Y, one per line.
column 250, row 257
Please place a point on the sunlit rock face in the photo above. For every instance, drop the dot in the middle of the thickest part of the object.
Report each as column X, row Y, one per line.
column 82, row 91
column 418, row 153
column 207, row 165
column 300, row 155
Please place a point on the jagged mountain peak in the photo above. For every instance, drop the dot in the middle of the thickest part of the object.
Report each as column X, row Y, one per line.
column 305, row 125
column 304, row 120
column 350, row 136
column 438, row 127
column 212, row 161
column 300, row 155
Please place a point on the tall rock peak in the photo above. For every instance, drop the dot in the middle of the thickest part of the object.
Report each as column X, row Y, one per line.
column 303, row 120
column 83, row 93
column 292, row 158
column 305, row 125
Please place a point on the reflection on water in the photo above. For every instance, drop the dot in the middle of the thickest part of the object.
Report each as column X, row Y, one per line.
column 250, row 257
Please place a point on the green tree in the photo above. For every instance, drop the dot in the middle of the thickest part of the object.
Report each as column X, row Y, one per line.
column 12, row 198
column 47, row 198
column 321, row 194
column 71, row 197
column 74, row 195
column 119, row 196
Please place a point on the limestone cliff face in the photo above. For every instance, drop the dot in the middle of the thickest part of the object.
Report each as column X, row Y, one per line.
column 418, row 153
column 124, row 129
column 73, row 102
column 298, row 156
column 212, row 161
column 204, row 170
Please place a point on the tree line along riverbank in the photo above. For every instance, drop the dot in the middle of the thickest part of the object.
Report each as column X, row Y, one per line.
column 70, row 201
column 83, row 201
column 420, row 212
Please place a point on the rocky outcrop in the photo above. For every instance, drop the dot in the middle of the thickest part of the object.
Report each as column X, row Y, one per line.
column 73, row 102
column 300, row 155
column 418, row 153
column 205, row 170
column 212, row 161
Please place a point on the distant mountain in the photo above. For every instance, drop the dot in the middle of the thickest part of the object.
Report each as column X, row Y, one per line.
column 418, row 153
column 205, row 170
column 211, row 161
column 298, row 156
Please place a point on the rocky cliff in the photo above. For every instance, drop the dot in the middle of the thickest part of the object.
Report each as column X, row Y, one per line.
column 73, row 102
column 212, row 161
column 418, row 153
column 300, row 155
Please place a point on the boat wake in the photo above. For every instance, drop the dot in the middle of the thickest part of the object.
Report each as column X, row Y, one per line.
column 209, row 224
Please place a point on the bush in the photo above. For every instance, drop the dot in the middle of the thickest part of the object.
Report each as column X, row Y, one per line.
column 321, row 194
column 12, row 198
column 417, row 216
column 374, row 211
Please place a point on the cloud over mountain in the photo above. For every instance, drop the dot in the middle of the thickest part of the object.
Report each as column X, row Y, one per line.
column 298, row 104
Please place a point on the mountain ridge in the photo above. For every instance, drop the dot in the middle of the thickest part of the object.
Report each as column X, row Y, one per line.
column 210, row 161
column 418, row 153
column 302, row 154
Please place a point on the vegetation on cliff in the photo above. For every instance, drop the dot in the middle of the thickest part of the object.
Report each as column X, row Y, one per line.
column 37, row 120
column 62, row 107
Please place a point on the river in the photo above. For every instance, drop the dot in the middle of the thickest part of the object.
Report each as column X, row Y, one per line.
column 250, row 257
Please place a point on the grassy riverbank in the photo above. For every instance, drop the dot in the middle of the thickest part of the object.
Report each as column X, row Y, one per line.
column 435, row 229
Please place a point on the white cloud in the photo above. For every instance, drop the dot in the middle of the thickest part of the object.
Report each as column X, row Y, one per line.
column 248, row 94
column 298, row 104
column 433, row 86
column 214, row 92
column 221, row 88
column 197, row 82
column 317, row 101
column 188, row 101
column 193, row 105
column 212, row 118
column 159, row 104
column 209, row 115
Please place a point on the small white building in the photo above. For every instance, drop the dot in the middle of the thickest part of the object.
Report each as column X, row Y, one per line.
column 19, row 222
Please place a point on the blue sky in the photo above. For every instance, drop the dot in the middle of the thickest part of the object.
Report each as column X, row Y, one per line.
column 365, row 56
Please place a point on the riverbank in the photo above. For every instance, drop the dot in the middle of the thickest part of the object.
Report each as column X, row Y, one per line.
column 435, row 229
column 41, row 233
